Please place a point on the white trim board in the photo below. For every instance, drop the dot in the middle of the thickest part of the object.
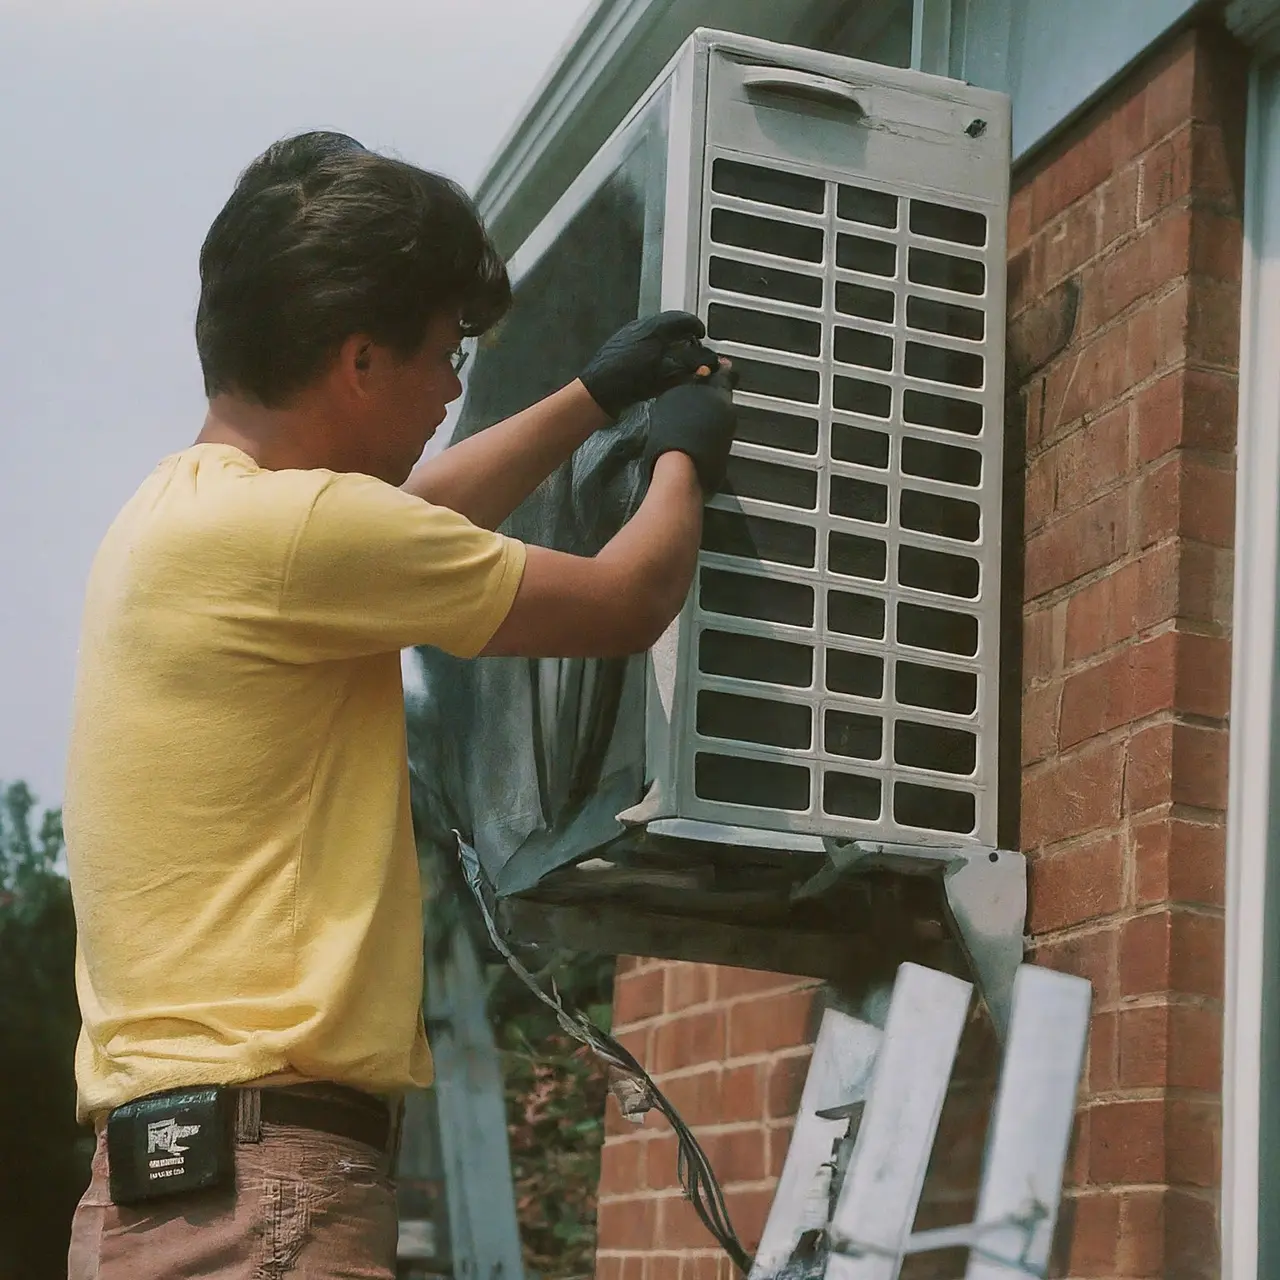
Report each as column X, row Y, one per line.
column 1251, row 810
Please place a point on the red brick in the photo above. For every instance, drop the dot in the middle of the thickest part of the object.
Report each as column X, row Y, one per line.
column 1187, row 408
column 1217, row 247
column 1118, row 206
column 633, row 1267
column 1204, row 583
column 660, row 1161
column 1102, row 614
column 1040, row 723
column 1077, row 544
column 1042, row 642
column 622, row 1166
column 1176, row 764
column 1094, row 1235
column 1071, row 174
column 1099, row 698
column 1143, row 1059
column 608, row 1267
column 679, row 1227
column 1155, row 335
column 1193, row 1141
column 1195, row 1048
column 770, row 1022
column 1086, row 462
column 1165, row 174
column 1169, row 97
column 741, row 1155
column 1087, row 379
column 1179, row 861
column 1070, row 241
column 1172, row 951
column 1103, row 1052
column 627, row 1224
column 1142, row 1230
column 786, row 1083
column 697, row 1095
column 688, row 1040
column 742, row 1092
column 1155, row 255
column 1203, row 675
column 1127, row 122
column 1213, row 323
column 1025, row 276
column 1127, row 1141
column 748, row 1211
column 1093, row 956
column 699, row 1266
column 744, row 982
column 779, row 1145
column 1191, row 1235
column 1038, row 506
column 689, row 985
column 638, row 1043
column 1019, row 225
column 1076, row 794
column 1186, row 495
column 662, row 1266
column 637, row 996
column 1076, row 885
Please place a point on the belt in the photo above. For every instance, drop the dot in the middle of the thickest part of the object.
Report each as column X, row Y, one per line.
column 343, row 1112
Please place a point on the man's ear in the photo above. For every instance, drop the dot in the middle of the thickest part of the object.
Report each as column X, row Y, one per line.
column 354, row 361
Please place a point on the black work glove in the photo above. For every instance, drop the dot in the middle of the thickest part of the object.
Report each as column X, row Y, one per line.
column 698, row 419
column 645, row 358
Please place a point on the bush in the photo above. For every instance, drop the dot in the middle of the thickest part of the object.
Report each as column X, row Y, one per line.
column 45, row 1164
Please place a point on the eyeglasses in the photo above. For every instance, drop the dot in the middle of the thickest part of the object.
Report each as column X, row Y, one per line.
column 460, row 357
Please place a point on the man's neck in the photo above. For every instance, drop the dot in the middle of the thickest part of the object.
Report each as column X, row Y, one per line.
column 294, row 437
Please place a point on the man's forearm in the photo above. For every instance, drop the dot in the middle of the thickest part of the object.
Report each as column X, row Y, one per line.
column 488, row 475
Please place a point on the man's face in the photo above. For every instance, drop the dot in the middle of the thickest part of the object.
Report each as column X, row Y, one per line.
column 407, row 399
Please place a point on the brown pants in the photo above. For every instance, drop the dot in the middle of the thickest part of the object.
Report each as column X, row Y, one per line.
column 305, row 1204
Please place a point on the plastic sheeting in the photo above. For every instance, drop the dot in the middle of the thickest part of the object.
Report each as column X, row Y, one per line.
column 530, row 760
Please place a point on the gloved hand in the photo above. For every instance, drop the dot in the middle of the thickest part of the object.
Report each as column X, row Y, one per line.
column 698, row 419
column 646, row 357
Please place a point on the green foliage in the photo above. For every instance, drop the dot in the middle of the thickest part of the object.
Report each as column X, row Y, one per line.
column 555, row 1095
column 45, row 1155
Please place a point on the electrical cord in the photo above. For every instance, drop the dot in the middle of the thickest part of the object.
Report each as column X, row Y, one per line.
column 693, row 1169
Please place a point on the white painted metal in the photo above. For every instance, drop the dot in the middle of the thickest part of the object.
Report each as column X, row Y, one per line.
column 1031, row 1128
column 923, row 148
column 839, row 1073
column 881, row 1190
column 1251, row 849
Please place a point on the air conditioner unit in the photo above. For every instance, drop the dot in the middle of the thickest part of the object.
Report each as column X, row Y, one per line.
column 830, row 694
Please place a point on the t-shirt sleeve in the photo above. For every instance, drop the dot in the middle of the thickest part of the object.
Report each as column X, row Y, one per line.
column 374, row 569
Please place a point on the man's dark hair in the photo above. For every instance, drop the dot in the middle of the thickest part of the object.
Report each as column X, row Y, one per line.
column 322, row 239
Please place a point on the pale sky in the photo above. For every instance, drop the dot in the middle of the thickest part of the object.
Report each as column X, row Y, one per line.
column 123, row 124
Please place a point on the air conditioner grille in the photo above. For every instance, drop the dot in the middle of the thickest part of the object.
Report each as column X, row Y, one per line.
column 841, row 671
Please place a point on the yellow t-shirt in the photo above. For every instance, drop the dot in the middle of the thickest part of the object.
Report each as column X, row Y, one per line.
column 237, row 807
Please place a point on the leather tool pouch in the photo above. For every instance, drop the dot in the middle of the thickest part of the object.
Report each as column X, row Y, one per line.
column 172, row 1143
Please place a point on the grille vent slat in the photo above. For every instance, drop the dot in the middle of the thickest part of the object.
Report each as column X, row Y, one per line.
column 839, row 672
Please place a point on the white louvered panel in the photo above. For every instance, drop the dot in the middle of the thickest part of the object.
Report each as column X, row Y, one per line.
column 841, row 672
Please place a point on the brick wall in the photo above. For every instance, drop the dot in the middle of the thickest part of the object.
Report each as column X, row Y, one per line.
column 1125, row 244
column 730, row 1048
column 1125, row 309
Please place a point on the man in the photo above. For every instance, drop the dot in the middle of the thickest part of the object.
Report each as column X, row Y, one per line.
column 237, row 809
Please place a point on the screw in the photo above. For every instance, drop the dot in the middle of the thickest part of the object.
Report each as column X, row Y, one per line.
column 976, row 128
